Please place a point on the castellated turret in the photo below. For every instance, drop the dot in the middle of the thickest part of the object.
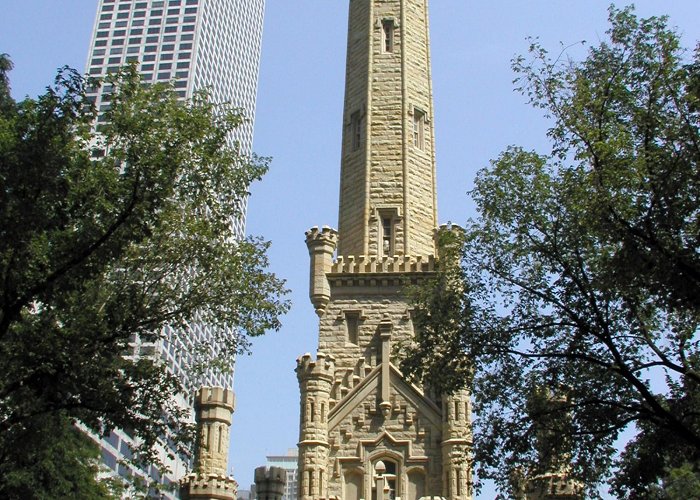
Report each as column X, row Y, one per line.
column 315, row 381
column 555, row 482
column 270, row 483
column 321, row 244
column 456, row 445
column 213, row 410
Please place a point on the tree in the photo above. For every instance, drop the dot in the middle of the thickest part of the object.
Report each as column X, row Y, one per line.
column 108, row 236
column 62, row 467
column 582, row 270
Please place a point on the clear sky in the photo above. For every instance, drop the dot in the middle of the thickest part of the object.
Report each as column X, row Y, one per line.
column 298, row 123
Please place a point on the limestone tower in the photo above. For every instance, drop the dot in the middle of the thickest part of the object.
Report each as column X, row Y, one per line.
column 366, row 433
column 213, row 410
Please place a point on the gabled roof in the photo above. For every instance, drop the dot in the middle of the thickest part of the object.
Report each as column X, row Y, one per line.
column 370, row 384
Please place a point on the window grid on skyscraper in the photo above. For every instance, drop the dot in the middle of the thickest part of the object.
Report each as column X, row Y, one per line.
column 196, row 44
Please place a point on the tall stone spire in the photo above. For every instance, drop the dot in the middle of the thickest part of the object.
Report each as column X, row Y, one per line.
column 365, row 432
column 387, row 187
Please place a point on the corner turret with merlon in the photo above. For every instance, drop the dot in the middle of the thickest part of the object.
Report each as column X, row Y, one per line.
column 213, row 410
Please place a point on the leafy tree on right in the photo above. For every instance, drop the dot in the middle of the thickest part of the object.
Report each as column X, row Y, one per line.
column 582, row 275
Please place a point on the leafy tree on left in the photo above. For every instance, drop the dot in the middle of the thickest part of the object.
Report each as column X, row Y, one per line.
column 109, row 236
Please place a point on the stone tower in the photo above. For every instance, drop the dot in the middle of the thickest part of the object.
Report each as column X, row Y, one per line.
column 365, row 432
column 269, row 483
column 213, row 410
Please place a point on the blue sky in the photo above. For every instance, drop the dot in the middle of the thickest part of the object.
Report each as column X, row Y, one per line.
column 298, row 123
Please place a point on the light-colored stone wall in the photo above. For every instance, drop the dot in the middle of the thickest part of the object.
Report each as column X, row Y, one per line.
column 387, row 173
column 358, row 413
column 353, row 199
column 213, row 410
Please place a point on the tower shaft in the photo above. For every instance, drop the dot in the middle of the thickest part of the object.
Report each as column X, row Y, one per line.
column 387, row 189
column 365, row 432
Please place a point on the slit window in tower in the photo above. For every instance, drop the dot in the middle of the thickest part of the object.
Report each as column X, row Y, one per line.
column 387, row 236
column 419, row 129
column 388, row 35
column 352, row 325
column 356, row 130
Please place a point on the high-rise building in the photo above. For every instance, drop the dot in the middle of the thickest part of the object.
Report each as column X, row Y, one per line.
column 195, row 44
column 365, row 431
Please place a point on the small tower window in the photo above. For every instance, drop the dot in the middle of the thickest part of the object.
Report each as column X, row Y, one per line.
column 356, row 130
column 387, row 219
column 419, row 129
column 387, row 236
column 352, row 325
column 388, row 35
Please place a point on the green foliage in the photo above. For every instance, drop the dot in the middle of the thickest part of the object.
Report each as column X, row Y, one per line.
column 105, row 239
column 439, row 310
column 682, row 483
column 582, row 271
column 55, row 461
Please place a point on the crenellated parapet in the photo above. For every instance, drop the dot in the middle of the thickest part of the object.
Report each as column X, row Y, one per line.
column 326, row 236
column 270, row 482
column 323, row 367
column 215, row 404
column 321, row 244
column 208, row 487
column 554, row 486
column 364, row 264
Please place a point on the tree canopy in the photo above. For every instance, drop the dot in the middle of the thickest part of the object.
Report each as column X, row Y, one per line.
column 582, row 273
column 109, row 235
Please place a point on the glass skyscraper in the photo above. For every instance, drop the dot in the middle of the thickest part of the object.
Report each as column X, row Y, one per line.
column 196, row 44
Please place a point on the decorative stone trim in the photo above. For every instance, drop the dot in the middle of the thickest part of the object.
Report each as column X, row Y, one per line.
column 397, row 264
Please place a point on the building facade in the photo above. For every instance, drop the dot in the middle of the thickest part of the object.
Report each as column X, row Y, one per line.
column 365, row 432
column 196, row 44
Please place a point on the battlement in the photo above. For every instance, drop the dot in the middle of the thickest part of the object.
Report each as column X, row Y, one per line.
column 270, row 482
column 324, row 236
column 322, row 367
column 364, row 264
column 449, row 227
column 215, row 396
column 554, row 486
column 274, row 474
column 207, row 486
